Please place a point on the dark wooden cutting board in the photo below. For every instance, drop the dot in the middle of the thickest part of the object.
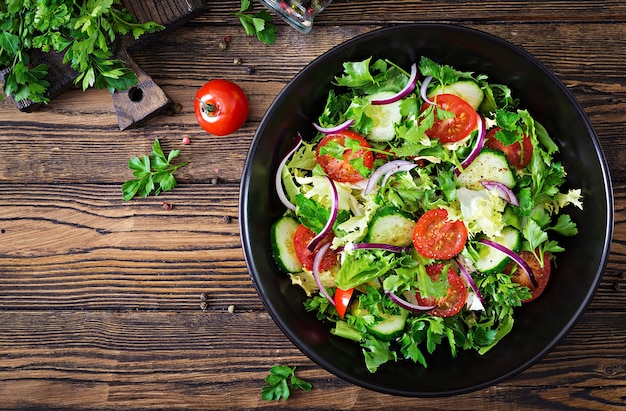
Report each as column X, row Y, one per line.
column 146, row 98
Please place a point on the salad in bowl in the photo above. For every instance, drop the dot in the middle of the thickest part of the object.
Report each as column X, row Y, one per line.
column 426, row 208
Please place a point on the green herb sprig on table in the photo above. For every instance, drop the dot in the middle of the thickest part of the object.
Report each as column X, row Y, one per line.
column 83, row 31
column 280, row 381
column 259, row 24
column 153, row 174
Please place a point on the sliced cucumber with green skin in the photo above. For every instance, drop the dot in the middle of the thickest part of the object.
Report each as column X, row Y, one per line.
column 491, row 260
column 390, row 327
column 468, row 90
column 391, row 226
column 281, row 238
column 490, row 165
column 384, row 117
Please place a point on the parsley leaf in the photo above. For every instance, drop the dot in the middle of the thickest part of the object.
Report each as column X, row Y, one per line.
column 153, row 174
column 259, row 24
column 376, row 353
column 280, row 381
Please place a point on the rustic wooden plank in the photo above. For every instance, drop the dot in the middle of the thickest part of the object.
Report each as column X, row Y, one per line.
column 95, row 252
column 369, row 12
column 116, row 360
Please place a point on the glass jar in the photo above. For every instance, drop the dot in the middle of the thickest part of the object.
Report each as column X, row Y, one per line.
column 298, row 13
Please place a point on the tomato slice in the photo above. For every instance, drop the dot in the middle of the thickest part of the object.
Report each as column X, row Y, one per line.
column 541, row 274
column 302, row 238
column 340, row 169
column 449, row 130
column 454, row 301
column 342, row 300
column 518, row 154
column 434, row 236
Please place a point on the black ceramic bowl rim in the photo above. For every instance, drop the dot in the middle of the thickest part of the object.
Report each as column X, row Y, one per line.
column 585, row 257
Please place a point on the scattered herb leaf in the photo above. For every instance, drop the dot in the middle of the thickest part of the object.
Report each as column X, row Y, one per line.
column 153, row 174
column 257, row 24
column 280, row 381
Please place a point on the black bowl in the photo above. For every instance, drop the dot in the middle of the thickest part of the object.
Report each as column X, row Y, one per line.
column 540, row 324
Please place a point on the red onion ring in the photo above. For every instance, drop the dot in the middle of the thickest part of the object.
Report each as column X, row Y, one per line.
column 316, row 271
column 466, row 275
column 278, row 180
column 410, row 85
column 335, row 129
column 502, row 190
column 407, row 167
column 407, row 305
column 480, row 142
column 386, row 169
column 334, row 210
column 513, row 256
column 423, row 89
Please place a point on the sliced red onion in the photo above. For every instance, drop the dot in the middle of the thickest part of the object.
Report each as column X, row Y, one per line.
column 502, row 190
column 513, row 256
column 334, row 209
column 480, row 142
column 335, row 129
column 375, row 246
column 466, row 275
column 316, row 271
column 407, row 305
column 406, row 167
column 278, row 178
column 410, row 85
column 386, row 169
column 423, row 89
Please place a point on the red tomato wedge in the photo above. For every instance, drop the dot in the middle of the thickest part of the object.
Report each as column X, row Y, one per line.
column 449, row 130
column 541, row 274
column 518, row 154
column 302, row 238
column 342, row 300
column 454, row 301
column 340, row 169
column 434, row 236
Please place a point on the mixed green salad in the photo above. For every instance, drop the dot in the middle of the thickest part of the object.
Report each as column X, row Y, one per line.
column 427, row 207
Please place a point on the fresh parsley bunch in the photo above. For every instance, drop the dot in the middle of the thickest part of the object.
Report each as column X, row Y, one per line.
column 83, row 30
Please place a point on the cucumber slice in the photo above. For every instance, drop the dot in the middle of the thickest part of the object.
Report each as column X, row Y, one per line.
column 468, row 90
column 489, row 165
column 390, row 327
column 391, row 226
column 491, row 260
column 384, row 117
column 281, row 238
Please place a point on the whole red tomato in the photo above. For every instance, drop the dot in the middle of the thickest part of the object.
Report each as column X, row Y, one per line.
column 221, row 107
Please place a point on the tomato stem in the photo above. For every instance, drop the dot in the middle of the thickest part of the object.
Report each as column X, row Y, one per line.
column 206, row 107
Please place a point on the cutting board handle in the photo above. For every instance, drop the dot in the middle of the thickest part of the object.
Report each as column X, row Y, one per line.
column 141, row 101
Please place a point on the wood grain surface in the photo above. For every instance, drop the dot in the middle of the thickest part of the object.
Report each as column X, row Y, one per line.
column 106, row 304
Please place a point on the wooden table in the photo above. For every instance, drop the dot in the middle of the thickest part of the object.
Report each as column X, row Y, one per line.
column 106, row 304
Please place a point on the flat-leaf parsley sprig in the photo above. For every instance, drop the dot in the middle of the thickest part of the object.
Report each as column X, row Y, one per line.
column 259, row 24
column 280, row 381
column 153, row 173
